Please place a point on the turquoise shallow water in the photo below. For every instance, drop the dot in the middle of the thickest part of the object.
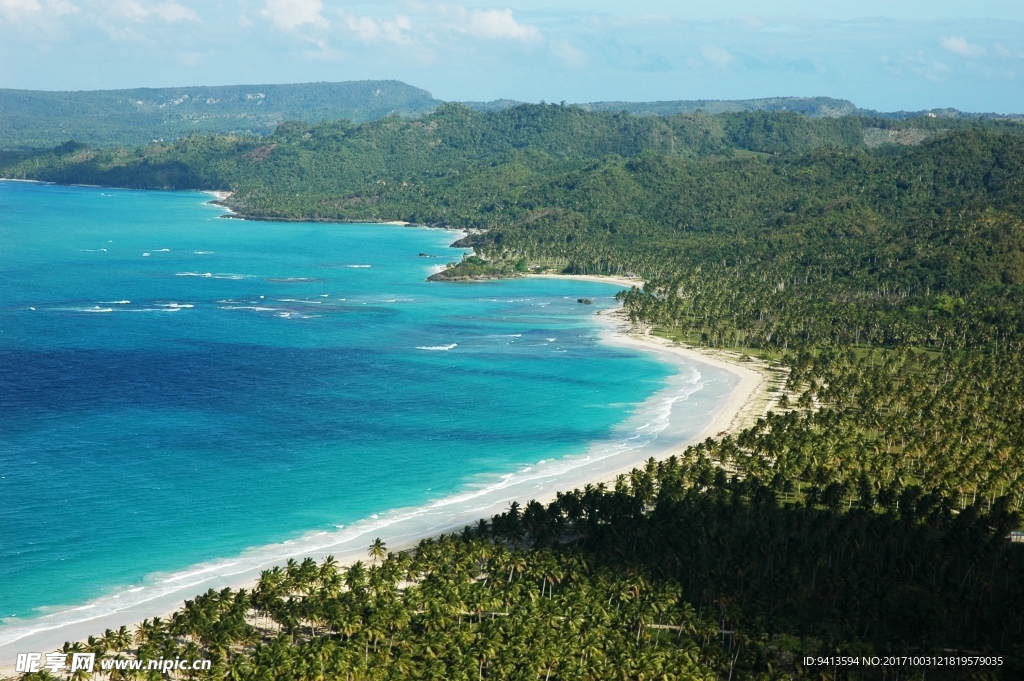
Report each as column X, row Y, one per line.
column 187, row 387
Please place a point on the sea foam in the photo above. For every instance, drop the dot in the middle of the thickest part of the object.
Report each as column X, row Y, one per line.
column 211, row 275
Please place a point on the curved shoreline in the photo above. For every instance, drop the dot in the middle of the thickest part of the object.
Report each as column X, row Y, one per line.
column 743, row 407
column 404, row 527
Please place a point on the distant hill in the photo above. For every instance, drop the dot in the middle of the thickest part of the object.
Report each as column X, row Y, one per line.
column 809, row 106
column 815, row 107
column 31, row 118
column 494, row 104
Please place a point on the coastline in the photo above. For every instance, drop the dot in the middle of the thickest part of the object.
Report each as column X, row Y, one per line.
column 403, row 528
column 750, row 400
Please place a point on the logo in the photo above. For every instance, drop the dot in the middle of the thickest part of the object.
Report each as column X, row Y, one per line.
column 30, row 663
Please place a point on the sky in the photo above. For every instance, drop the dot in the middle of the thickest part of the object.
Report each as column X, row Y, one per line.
column 881, row 54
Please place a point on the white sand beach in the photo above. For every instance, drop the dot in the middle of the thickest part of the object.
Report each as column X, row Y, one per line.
column 625, row 282
column 749, row 400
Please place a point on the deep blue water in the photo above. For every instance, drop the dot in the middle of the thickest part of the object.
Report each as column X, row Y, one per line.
column 249, row 382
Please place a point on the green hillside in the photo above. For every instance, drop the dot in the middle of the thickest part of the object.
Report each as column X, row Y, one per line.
column 808, row 106
column 30, row 118
column 815, row 107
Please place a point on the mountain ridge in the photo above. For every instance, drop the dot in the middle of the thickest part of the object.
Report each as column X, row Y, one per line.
column 133, row 116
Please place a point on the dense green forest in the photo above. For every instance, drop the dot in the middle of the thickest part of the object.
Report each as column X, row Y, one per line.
column 879, row 261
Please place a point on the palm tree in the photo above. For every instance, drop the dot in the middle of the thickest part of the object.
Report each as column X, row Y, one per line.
column 355, row 576
column 517, row 564
column 377, row 550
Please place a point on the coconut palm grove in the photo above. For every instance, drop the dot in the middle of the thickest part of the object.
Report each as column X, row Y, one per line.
column 876, row 263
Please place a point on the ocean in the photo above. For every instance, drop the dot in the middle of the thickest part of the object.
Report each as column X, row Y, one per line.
column 186, row 399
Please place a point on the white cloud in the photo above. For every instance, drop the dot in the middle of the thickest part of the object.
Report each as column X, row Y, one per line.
column 16, row 10
column 960, row 46
column 1007, row 54
column 934, row 71
column 572, row 57
column 171, row 11
column 128, row 9
column 499, row 23
column 488, row 24
column 58, row 8
column 369, row 30
column 717, row 56
column 290, row 14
